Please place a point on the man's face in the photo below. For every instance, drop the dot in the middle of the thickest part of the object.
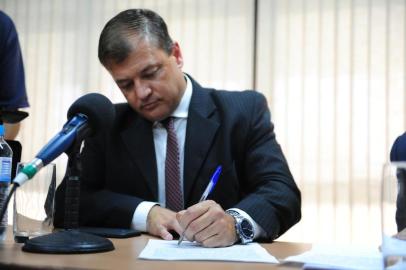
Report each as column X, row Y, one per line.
column 151, row 80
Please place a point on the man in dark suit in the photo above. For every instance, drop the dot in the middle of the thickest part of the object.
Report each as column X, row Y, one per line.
column 398, row 153
column 126, row 171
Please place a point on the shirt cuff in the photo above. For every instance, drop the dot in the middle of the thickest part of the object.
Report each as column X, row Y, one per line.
column 258, row 231
column 139, row 221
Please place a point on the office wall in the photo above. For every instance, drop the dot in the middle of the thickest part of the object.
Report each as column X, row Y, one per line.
column 334, row 75
column 332, row 70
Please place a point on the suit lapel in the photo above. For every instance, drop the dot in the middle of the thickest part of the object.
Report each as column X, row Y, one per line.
column 138, row 138
column 202, row 126
column 201, row 129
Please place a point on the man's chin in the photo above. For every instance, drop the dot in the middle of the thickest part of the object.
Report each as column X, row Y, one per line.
column 154, row 115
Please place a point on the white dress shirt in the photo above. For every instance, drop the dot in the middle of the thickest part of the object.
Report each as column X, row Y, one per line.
column 139, row 220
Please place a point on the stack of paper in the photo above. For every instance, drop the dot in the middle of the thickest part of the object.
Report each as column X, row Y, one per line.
column 340, row 257
column 170, row 250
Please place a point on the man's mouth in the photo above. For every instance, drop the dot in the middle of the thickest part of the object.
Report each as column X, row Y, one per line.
column 150, row 105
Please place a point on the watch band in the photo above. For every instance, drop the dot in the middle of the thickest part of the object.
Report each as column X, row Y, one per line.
column 243, row 227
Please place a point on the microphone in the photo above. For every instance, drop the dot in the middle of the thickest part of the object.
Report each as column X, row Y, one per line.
column 86, row 116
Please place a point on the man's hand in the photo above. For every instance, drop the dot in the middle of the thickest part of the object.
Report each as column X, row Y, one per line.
column 160, row 221
column 207, row 223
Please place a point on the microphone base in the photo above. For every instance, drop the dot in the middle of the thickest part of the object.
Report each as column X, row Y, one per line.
column 68, row 242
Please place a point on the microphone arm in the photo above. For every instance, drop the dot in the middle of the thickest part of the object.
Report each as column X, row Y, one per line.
column 87, row 115
column 75, row 129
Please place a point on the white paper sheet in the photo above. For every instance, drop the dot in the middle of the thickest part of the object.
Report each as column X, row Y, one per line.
column 340, row 257
column 169, row 250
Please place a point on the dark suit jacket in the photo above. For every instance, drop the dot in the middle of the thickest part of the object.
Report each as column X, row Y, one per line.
column 398, row 153
column 228, row 128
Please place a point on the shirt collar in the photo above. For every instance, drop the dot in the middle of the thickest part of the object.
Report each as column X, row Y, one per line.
column 183, row 108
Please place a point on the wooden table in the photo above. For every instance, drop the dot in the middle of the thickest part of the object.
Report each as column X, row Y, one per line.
column 125, row 256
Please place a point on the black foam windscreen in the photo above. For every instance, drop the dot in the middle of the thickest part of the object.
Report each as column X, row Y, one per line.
column 98, row 109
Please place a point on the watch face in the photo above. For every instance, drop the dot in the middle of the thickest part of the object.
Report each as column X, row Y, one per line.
column 246, row 229
column 233, row 212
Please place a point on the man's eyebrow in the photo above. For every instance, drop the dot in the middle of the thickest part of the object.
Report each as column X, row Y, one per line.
column 144, row 70
column 149, row 67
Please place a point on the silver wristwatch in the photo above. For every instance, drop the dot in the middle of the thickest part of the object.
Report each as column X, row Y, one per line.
column 243, row 227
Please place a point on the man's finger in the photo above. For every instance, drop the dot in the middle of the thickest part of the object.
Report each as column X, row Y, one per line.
column 198, row 225
column 176, row 227
column 164, row 234
column 194, row 212
column 213, row 241
column 205, row 234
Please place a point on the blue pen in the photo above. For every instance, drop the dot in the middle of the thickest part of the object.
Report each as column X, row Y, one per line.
column 207, row 191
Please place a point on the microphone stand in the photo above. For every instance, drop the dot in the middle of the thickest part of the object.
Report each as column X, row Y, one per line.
column 71, row 239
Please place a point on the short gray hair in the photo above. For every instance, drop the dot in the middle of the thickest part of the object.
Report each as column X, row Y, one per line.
column 115, row 39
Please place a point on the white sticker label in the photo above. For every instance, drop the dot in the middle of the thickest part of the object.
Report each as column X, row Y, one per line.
column 5, row 169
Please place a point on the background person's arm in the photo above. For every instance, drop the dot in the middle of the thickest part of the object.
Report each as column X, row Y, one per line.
column 11, row 130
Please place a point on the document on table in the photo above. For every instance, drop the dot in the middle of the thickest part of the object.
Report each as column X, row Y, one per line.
column 170, row 250
column 340, row 257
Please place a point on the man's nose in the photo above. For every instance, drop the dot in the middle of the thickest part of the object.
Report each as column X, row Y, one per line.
column 142, row 90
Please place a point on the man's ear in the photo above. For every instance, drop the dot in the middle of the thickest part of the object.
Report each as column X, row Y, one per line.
column 177, row 53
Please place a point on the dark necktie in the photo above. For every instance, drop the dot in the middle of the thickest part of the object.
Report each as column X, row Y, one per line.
column 173, row 189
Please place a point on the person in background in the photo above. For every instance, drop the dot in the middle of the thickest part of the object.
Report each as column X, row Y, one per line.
column 151, row 169
column 12, row 80
column 398, row 153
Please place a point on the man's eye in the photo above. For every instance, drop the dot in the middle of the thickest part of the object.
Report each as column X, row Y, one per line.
column 151, row 74
column 126, row 86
